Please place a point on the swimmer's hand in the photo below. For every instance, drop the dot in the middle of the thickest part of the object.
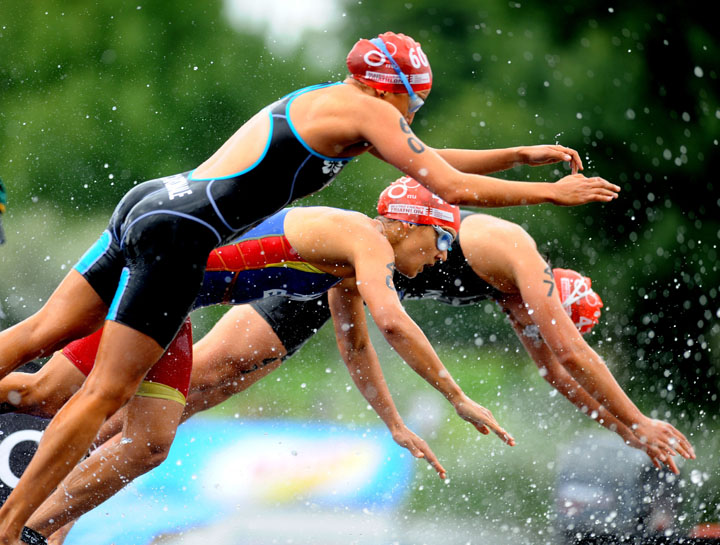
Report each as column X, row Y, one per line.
column 418, row 448
column 576, row 189
column 547, row 155
column 481, row 418
column 661, row 441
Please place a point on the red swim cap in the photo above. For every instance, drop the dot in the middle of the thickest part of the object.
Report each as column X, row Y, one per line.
column 580, row 302
column 407, row 200
column 370, row 66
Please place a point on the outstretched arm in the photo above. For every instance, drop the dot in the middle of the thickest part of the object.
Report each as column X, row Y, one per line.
column 584, row 364
column 394, row 142
column 497, row 160
column 485, row 247
column 375, row 286
column 362, row 362
column 556, row 375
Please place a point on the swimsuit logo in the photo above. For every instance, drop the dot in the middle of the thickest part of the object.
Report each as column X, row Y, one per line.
column 177, row 186
column 332, row 167
column 292, row 296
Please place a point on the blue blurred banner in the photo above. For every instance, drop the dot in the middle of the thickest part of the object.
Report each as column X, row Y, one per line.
column 218, row 468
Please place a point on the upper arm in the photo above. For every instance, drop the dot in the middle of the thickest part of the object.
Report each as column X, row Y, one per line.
column 538, row 290
column 374, row 278
column 348, row 314
column 506, row 256
column 395, row 142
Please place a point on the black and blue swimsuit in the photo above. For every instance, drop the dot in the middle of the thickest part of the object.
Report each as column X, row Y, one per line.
column 148, row 266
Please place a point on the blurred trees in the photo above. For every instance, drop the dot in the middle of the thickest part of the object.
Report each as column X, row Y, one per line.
column 95, row 97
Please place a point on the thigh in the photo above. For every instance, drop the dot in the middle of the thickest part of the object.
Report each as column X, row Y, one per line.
column 165, row 263
column 77, row 303
column 56, row 382
column 294, row 322
column 240, row 344
column 124, row 357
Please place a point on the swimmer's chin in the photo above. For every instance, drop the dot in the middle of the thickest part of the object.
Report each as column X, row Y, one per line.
column 407, row 274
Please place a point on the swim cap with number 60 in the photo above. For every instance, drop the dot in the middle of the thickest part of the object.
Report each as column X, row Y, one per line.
column 370, row 66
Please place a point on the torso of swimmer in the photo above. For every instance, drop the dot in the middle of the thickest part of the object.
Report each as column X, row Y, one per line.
column 332, row 120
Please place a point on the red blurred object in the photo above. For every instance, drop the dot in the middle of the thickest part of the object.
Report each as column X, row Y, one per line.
column 708, row 529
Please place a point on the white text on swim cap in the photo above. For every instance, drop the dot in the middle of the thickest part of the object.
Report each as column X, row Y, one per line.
column 394, row 79
column 417, row 210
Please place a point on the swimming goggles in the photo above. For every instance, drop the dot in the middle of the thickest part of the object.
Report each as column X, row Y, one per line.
column 415, row 101
column 444, row 239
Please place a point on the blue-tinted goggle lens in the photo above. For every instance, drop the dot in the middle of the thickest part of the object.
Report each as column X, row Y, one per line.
column 415, row 101
column 444, row 239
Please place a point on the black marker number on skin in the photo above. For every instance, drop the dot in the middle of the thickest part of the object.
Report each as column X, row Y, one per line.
column 548, row 271
column 389, row 277
column 415, row 145
column 413, row 142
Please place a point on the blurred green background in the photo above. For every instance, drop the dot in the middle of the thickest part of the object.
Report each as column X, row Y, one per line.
column 98, row 96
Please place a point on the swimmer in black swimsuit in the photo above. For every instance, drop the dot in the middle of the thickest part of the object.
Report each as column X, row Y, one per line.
column 143, row 275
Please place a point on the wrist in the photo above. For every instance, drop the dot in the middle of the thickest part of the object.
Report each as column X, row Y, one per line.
column 518, row 155
column 550, row 192
column 395, row 425
column 456, row 397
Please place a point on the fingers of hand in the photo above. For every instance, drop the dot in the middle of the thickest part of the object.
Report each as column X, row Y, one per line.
column 439, row 469
column 601, row 182
column 672, row 466
column 683, row 446
column 506, row 437
column 483, row 429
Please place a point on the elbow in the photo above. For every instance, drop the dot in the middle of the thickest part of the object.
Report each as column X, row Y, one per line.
column 452, row 193
column 352, row 349
column 574, row 361
column 389, row 328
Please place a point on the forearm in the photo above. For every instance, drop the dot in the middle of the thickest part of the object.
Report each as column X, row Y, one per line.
column 412, row 346
column 480, row 161
column 488, row 192
column 592, row 374
column 366, row 373
column 561, row 380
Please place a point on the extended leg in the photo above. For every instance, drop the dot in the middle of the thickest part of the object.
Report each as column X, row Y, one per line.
column 238, row 351
column 124, row 356
column 148, row 433
column 72, row 311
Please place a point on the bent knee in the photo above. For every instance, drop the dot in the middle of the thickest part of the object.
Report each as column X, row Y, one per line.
column 107, row 400
column 24, row 393
column 147, row 455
